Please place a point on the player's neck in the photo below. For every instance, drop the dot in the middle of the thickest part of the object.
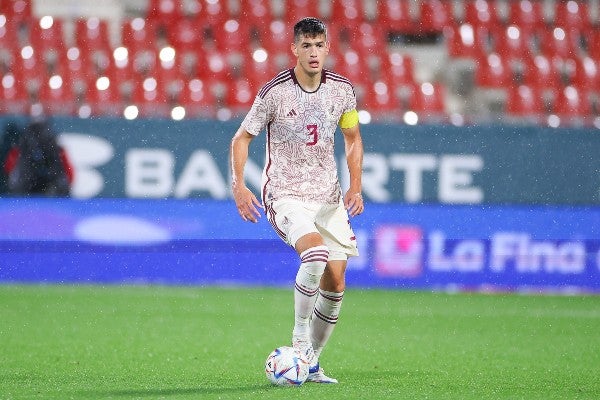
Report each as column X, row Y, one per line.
column 308, row 82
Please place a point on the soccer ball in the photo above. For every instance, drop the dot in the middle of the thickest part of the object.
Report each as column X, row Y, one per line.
column 286, row 366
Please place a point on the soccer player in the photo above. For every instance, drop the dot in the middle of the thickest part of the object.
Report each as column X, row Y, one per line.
column 301, row 109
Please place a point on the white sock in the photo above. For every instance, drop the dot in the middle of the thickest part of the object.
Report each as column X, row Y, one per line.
column 306, row 288
column 327, row 310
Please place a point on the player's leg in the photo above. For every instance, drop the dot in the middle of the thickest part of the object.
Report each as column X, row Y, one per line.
column 294, row 222
column 313, row 260
column 328, row 305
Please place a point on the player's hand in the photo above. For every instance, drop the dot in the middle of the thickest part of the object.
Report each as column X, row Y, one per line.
column 247, row 204
column 354, row 203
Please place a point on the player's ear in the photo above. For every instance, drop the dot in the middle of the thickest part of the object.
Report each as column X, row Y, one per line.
column 294, row 49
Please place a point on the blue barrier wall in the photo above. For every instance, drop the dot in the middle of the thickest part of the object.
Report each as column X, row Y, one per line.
column 203, row 242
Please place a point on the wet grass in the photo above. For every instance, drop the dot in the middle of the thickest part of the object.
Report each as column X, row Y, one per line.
column 153, row 342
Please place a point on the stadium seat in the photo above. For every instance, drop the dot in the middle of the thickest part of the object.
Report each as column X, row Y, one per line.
column 138, row 35
column 14, row 95
column 46, row 36
column 381, row 100
column 186, row 35
column 256, row 13
column 197, row 98
column 428, row 100
column 239, row 96
column 556, row 41
column 9, row 36
column 103, row 96
column 92, row 34
column 399, row 68
column 465, row 41
column 513, row 43
column 347, row 12
column 594, row 43
column 525, row 102
column 209, row 13
column 528, row 15
column 149, row 96
column 16, row 10
column 164, row 11
column 395, row 16
column 297, row 9
column 275, row 37
column 493, row 72
column 571, row 103
column 541, row 73
column 258, row 67
column 434, row 15
column 481, row 13
column 572, row 15
column 57, row 95
column 213, row 64
column 583, row 72
column 231, row 37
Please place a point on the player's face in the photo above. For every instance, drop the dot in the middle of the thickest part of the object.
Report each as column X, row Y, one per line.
column 311, row 53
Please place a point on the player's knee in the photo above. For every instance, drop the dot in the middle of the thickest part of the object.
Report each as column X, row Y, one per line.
column 315, row 259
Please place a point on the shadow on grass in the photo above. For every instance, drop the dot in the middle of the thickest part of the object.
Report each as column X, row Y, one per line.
column 153, row 393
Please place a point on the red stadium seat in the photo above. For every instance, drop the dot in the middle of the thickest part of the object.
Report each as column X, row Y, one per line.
column 571, row 103
column 481, row 13
column 594, row 43
column 466, row 41
column 231, row 36
column 513, row 43
column 57, row 95
column 396, row 16
column 428, row 99
column 256, row 13
column 493, row 72
column 92, row 34
column 525, row 102
column 197, row 98
column 138, row 35
column 46, row 35
column 559, row 42
column 435, row 15
column 399, row 68
column 297, row 9
column 381, row 99
column 541, row 73
column 164, row 11
column 208, row 13
column 528, row 15
column 14, row 95
column 213, row 65
column 259, row 67
column 16, row 10
column 149, row 96
column 186, row 35
column 239, row 96
column 347, row 12
column 103, row 96
column 276, row 37
column 583, row 72
column 9, row 34
column 572, row 15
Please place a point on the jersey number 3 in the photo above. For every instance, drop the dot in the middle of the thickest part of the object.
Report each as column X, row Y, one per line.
column 313, row 135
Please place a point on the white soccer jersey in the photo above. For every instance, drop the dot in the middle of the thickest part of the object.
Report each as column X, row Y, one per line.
column 300, row 126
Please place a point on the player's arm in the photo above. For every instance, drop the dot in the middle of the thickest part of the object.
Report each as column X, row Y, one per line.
column 245, row 201
column 354, row 157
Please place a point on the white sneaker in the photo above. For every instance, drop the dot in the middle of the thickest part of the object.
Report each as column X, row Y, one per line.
column 304, row 345
column 317, row 375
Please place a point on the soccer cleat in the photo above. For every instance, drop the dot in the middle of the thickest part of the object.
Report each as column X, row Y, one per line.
column 317, row 375
column 304, row 346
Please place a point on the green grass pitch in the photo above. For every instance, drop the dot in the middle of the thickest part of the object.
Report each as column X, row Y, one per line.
column 154, row 342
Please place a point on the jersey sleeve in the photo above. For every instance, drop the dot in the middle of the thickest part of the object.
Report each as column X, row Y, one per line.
column 257, row 118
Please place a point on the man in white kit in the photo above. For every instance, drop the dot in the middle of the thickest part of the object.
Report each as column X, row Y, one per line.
column 300, row 109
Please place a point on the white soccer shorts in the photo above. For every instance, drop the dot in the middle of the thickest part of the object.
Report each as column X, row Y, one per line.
column 293, row 219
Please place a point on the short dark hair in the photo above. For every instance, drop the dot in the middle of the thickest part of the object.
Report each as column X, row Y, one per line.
column 310, row 27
